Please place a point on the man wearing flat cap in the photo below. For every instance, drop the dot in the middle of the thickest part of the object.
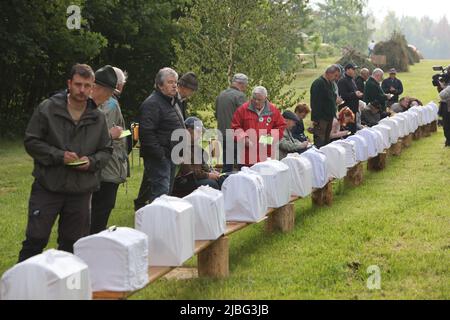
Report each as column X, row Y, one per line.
column 392, row 85
column 349, row 91
column 187, row 86
column 68, row 139
column 227, row 103
column 288, row 144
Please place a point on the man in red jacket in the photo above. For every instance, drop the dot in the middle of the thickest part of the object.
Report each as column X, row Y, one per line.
column 258, row 125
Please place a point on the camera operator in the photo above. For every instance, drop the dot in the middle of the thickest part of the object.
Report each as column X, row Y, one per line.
column 444, row 108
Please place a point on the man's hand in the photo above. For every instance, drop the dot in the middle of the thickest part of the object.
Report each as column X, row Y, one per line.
column 339, row 100
column 70, row 157
column 304, row 145
column 213, row 175
column 389, row 96
column 359, row 94
column 115, row 132
column 84, row 167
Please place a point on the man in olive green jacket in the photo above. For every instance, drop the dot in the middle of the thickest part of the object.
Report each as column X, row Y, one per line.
column 68, row 139
column 115, row 173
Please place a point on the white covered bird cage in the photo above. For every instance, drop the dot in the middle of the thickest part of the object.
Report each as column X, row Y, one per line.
column 394, row 134
column 361, row 147
column 117, row 259
column 276, row 177
column 386, row 133
column 245, row 196
column 301, row 174
column 51, row 275
column 209, row 212
column 319, row 163
column 336, row 160
column 371, row 140
column 169, row 224
column 350, row 151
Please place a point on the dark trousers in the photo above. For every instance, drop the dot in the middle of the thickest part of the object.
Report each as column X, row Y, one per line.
column 44, row 207
column 322, row 132
column 216, row 184
column 158, row 179
column 446, row 125
column 103, row 202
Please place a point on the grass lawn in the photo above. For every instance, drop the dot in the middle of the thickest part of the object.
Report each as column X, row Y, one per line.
column 397, row 220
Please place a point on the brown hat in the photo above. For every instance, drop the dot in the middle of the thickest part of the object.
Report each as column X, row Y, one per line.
column 189, row 80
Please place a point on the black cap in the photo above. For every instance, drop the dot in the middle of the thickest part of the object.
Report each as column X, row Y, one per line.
column 106, row 77
column 290, row 115
column 189, row 80
column 350, row 66
column 193, row 123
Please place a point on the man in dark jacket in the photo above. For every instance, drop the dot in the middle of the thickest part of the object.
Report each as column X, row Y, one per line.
column 361, row 79
column 373, row 91
column 227, row 103
column 187, row 86
column 68, row 139
column 350, row 93
column 323, row 105
column 159, row 117
column 393, row 86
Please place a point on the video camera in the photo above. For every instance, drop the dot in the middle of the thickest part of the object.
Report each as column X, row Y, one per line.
column 444, row 76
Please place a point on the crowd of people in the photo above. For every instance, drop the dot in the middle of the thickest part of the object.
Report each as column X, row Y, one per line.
column 76, row 139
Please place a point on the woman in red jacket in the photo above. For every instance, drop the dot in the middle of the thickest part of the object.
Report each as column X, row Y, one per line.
column 259, row 126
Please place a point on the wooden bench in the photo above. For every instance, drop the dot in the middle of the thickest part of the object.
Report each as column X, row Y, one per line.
column 213, row 255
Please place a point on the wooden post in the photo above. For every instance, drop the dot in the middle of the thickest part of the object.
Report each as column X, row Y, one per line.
column 434, row 126
column 355, row 175
column 213, row 262
column 407, row 141
column 396, row 148
column 324, row 196
column 377, row 163
column 417, row 134
column 282, row 219
column 426, row 130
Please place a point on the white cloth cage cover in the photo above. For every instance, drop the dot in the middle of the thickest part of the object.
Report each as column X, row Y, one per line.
column 418, row 110
column 403, row 124
column 415, row 119
column 386, row 133
column 336, row 161
column 408, row 120
column 117, row 259
column 318, row 161
column 371, row 140
column 209, row 211
column 361, row 147
column 169, row 225
column 394, row 134
column 350, row 151
column 301, row 174
column 245, row 196
column 277, row 178
column 51, row 275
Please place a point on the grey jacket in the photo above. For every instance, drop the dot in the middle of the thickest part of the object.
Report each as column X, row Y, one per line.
column 289, row 144
column 227, row 103
column 116, row 169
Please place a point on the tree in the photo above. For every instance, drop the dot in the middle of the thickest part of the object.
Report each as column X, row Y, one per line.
column 256, row 37
column 37, row 51
column 343, row 23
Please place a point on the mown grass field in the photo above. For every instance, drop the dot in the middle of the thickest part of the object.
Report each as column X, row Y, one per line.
column 397, row 220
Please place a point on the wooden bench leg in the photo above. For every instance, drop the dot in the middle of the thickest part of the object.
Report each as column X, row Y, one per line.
column 407, row 141
column 417, row 134
column 426, row 130
column 377, row 163
column 434, row 126
column 282, row 219
column 324, row 196
column 355, row 175
column 396, row 148
column 213, row 262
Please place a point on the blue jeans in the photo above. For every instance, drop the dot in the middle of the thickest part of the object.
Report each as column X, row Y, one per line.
column 158, row 179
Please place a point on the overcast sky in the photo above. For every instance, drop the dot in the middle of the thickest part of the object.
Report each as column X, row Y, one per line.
column 435, row 9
